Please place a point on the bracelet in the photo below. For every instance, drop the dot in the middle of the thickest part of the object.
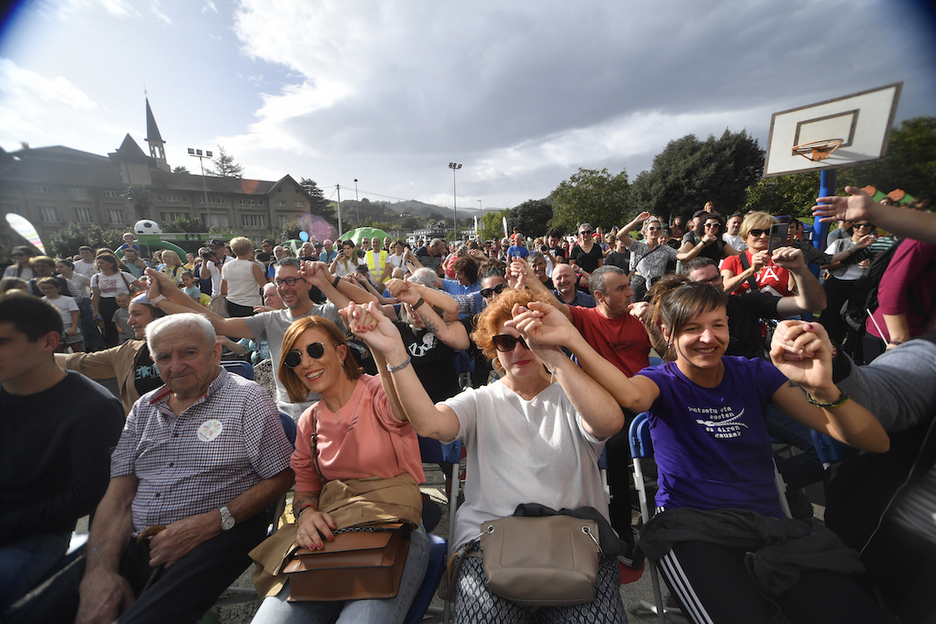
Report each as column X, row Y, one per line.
column 836, row 403
column 335, row 283
column 158, row 300
column 419, row 303
column 399, row 367
column 304, row 507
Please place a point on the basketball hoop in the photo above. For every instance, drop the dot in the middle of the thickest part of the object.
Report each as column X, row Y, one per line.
column 817, row 150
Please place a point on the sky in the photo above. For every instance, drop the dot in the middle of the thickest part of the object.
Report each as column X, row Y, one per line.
column 389, row 92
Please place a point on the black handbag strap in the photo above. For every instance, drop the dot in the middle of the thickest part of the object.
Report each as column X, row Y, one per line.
column 645, row 256
column 747, row 265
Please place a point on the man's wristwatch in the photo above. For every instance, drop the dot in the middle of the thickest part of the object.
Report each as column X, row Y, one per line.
column 227, row 520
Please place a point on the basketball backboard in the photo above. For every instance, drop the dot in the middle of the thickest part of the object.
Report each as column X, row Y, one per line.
column 862, row 122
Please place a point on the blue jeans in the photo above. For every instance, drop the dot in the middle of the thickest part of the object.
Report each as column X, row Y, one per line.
column 24, row 563
column 276, row 610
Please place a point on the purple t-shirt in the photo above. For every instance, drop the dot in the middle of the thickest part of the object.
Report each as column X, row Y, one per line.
column 710, row 444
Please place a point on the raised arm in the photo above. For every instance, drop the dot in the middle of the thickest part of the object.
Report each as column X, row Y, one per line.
column 688, row 251
column 809, row 295
column 601, row 415
column 546, row 326
column 802, row 352
column 407, row 392
column 901, row 221
column 451, row 333
column 521, row 274
column 177, row 301
column 624, row 233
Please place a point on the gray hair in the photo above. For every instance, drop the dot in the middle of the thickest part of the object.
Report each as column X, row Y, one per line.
column 426, row 277
column 189, row 320
column 289, row 261
column 535, row 255
column 596, row 283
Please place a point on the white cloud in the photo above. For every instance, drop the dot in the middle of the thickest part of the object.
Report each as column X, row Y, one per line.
column 31, row 88
column 209, row 5
column 156, row 9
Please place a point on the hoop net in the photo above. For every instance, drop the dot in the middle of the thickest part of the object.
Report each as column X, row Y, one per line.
column 817, row 150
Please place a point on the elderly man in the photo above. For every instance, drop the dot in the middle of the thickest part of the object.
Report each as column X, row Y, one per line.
column 293, row 282
column 328, row 251
column 57, row 431
column 430, row 256
column 538, row 263
column 279, row 252
column 377, row 262
column 198, row 462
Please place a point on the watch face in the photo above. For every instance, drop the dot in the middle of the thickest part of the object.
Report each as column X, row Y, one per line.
column 227, row 524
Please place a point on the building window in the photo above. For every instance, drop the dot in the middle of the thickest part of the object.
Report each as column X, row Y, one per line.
column 9, row 209
column 172, row 198
column 201, row 200
column 282, row 220
column 217, row 220
column 115, row 216
column 41, row 188
column 47, row 214
column 83, row 214
column 77, row 191
column 299, row 204
column 111, row 194
column 158, row 197
column 253, row 221
column 280, row 203
column 169, row 217
column 184, row 198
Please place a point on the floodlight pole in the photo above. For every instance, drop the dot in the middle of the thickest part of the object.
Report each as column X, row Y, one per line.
column 455, row 167
column 338, row 186
column 197, row 153
column 357, row 204
column 480, row 216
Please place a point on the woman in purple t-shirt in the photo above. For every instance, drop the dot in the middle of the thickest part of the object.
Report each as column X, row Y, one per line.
column 706, row 414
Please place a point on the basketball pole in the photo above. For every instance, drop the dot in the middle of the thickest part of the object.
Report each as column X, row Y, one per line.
column 827, row 183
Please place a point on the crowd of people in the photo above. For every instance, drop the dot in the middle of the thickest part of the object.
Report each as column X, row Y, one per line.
column 366, row 341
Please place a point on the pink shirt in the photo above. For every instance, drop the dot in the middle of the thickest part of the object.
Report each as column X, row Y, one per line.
column 363, row 439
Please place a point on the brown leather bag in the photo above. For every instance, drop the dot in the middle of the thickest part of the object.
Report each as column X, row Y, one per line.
column 360, row 563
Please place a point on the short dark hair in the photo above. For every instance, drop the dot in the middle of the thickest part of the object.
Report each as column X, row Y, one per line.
column 696, row 263
column 30, row 315
column 553, row 233
column 467, row 266
column 596, row 283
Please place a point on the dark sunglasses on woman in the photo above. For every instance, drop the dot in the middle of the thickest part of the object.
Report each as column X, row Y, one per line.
column 506, row 342
column 294, row 357
column 487, row 293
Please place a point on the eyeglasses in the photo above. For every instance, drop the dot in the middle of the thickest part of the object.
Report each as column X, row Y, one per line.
column 758, row 233
column 864, row 225
column 487, row 293
column 289, row 281
column 294, row 357
column 506, row 342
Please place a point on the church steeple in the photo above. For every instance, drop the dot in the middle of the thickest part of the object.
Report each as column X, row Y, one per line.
column 155, row 140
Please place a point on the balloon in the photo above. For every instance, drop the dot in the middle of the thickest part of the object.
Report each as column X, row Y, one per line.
column 304, row 236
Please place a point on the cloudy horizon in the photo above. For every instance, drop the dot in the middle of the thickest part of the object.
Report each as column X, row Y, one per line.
column 522, row 94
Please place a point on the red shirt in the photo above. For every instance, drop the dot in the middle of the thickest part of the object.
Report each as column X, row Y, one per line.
column 622, row 341
column 772, row 279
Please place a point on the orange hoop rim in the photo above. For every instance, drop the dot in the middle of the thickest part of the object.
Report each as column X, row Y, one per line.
column 817, row 150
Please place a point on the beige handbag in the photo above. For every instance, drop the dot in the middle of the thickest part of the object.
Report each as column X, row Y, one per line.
column 541, row 561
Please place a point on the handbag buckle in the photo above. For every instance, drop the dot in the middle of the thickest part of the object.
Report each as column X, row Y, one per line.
column 587, row 531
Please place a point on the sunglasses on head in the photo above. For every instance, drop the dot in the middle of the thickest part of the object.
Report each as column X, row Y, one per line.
column 294, row 357
column 506, row 342
column 758, row 233
column 487, row 293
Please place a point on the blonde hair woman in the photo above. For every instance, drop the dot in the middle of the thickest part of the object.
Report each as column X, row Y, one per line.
column 172, row 266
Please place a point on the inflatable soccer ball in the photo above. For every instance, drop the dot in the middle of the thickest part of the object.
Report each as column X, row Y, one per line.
column 145, row 226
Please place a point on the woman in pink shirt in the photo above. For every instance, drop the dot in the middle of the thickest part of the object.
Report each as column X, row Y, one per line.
column 356, row 437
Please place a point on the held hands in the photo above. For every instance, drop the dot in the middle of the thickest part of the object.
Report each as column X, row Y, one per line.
column 542, row 325
column 803, row 352
column 406, row 292
column 370, row 325
column 313, row 528
column 519, row 273
column 315, row 273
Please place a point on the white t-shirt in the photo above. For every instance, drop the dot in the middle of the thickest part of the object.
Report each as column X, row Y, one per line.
column 85, row 268
column 523, row 452
column 113, row 285
column 735, row 241
column 210, row 270
column 83, row 282
column 65, row 306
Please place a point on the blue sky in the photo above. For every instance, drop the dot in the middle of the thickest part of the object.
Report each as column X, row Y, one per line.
column 391, row 91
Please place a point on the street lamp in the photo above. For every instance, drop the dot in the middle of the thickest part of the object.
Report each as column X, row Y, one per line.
column 480, row 216
column 357, row 204
column 197, row 153
column 455, row 167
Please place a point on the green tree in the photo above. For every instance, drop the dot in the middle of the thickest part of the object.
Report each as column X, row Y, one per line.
column 792, row 194
column 139, row 197
column 318, row 205
column 531, row 217
column 591, row 196
column 181, row 226
column 492, row 224
column 910, row 163
column 290, row 231
column 180, row 169
column 689, row 172
column 225, row 167
column 65, row 242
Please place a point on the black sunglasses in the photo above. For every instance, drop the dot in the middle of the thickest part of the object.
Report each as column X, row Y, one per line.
column 487, row 293
column 294, row 357
column 862, row 225
column 758, row 233
column 586, row 232
column 506, row 342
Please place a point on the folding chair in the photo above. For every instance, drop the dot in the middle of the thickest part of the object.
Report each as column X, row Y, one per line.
column 239, row 367
column 641, row 447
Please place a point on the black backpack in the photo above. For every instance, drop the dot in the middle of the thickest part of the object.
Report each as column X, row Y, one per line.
column 863, row 298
